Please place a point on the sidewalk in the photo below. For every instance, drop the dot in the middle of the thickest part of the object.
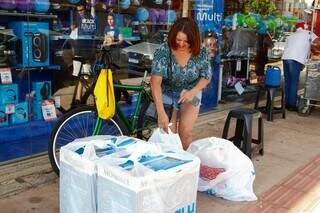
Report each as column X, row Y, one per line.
column 292, row 152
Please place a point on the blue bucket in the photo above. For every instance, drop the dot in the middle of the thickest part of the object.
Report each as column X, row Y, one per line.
column 273, row 77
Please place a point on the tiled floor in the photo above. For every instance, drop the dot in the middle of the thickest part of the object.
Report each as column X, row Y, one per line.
column 300, row 192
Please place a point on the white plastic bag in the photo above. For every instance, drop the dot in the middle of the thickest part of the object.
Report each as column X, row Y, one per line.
column 78, row 169
column 236, row 182
column 166, row 141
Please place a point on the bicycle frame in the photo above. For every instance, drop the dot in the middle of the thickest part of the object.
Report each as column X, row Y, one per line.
column 131, row 124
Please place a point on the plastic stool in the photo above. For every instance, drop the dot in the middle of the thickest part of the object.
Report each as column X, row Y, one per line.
column 269, row 108
column 243, row 133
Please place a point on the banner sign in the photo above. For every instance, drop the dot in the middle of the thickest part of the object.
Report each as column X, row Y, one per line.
column 209, row 15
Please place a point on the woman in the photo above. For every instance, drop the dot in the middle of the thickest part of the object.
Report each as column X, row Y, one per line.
column 190, row 74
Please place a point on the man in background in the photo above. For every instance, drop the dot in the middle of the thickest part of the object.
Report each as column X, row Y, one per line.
column 296, row 53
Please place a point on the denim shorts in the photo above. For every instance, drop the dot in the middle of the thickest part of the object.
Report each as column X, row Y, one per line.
column 169, row 99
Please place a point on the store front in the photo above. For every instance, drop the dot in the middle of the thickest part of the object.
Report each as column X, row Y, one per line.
column 48, row 49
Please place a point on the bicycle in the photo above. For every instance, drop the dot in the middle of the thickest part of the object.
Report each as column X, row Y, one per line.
column 83, row 121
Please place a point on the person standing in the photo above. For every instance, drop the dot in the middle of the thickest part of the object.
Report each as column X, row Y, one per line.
column 296, row 52
column 190, row 73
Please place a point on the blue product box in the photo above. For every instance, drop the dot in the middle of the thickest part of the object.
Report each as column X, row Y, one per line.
column 37, row 110
column 3, row 116
column 156, row 163
column 21, row 114
column 42, row 90
column 9, row 94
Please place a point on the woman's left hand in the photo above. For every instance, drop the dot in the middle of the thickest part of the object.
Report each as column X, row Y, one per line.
column 186, row 96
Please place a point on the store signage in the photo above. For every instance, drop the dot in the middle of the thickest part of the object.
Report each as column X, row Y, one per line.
column 209, row 14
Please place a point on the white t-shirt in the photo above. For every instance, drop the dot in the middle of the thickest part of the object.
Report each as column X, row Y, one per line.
column 298, row 46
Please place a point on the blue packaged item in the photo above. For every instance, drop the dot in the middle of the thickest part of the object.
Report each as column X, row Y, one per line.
column 33, row 43
column 9, row 94
column 156, row 163
column 3, row 116
column 37, row 110
column 21, row 114
column 42, row 90
column 273, row 76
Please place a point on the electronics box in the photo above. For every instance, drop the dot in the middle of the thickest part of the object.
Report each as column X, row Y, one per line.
column 9, row 94
column 21, row 113
column 42, row 90
column 32, row 49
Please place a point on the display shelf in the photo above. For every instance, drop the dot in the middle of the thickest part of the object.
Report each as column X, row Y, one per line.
column 27, row 14
column 51, row 67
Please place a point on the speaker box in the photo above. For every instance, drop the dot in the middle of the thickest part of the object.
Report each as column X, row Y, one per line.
column 32, row 49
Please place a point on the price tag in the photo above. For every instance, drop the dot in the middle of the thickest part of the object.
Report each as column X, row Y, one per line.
column 5, row 75
column 48, row 110
column 238, row 67
column 239, row 88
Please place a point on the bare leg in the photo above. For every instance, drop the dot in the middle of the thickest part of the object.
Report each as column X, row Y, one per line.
column 188, row 117
column 173, row 120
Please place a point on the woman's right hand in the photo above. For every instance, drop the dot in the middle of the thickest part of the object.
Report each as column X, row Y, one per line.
column 163, row 121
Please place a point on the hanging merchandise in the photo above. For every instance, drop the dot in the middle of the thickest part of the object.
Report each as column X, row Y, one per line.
column 74, row 1
column 153, row 15
column 136, row 2
column 162, row 15
column 171, row 16
column 8, row 4
column 24, row 5
column 142, row 14
column 41, row 6
column 110, row 2
column 124, row 4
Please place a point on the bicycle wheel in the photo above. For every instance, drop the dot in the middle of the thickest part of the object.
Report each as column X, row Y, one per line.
column 79, row 123
column 146, row 124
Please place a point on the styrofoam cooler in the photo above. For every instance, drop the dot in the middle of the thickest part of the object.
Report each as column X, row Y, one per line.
column 160, row 183
column 78, row 169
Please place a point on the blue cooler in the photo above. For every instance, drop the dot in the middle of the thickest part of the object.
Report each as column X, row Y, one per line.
column 273, row 77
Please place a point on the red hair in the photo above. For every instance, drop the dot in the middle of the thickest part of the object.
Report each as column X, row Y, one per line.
column 188, row 27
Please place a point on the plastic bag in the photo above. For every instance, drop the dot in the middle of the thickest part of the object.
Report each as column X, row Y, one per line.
column 166, row 141
column 236, row 172
column 104, row 93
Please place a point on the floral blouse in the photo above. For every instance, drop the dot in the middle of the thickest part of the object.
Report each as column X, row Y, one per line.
column 182, row 77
